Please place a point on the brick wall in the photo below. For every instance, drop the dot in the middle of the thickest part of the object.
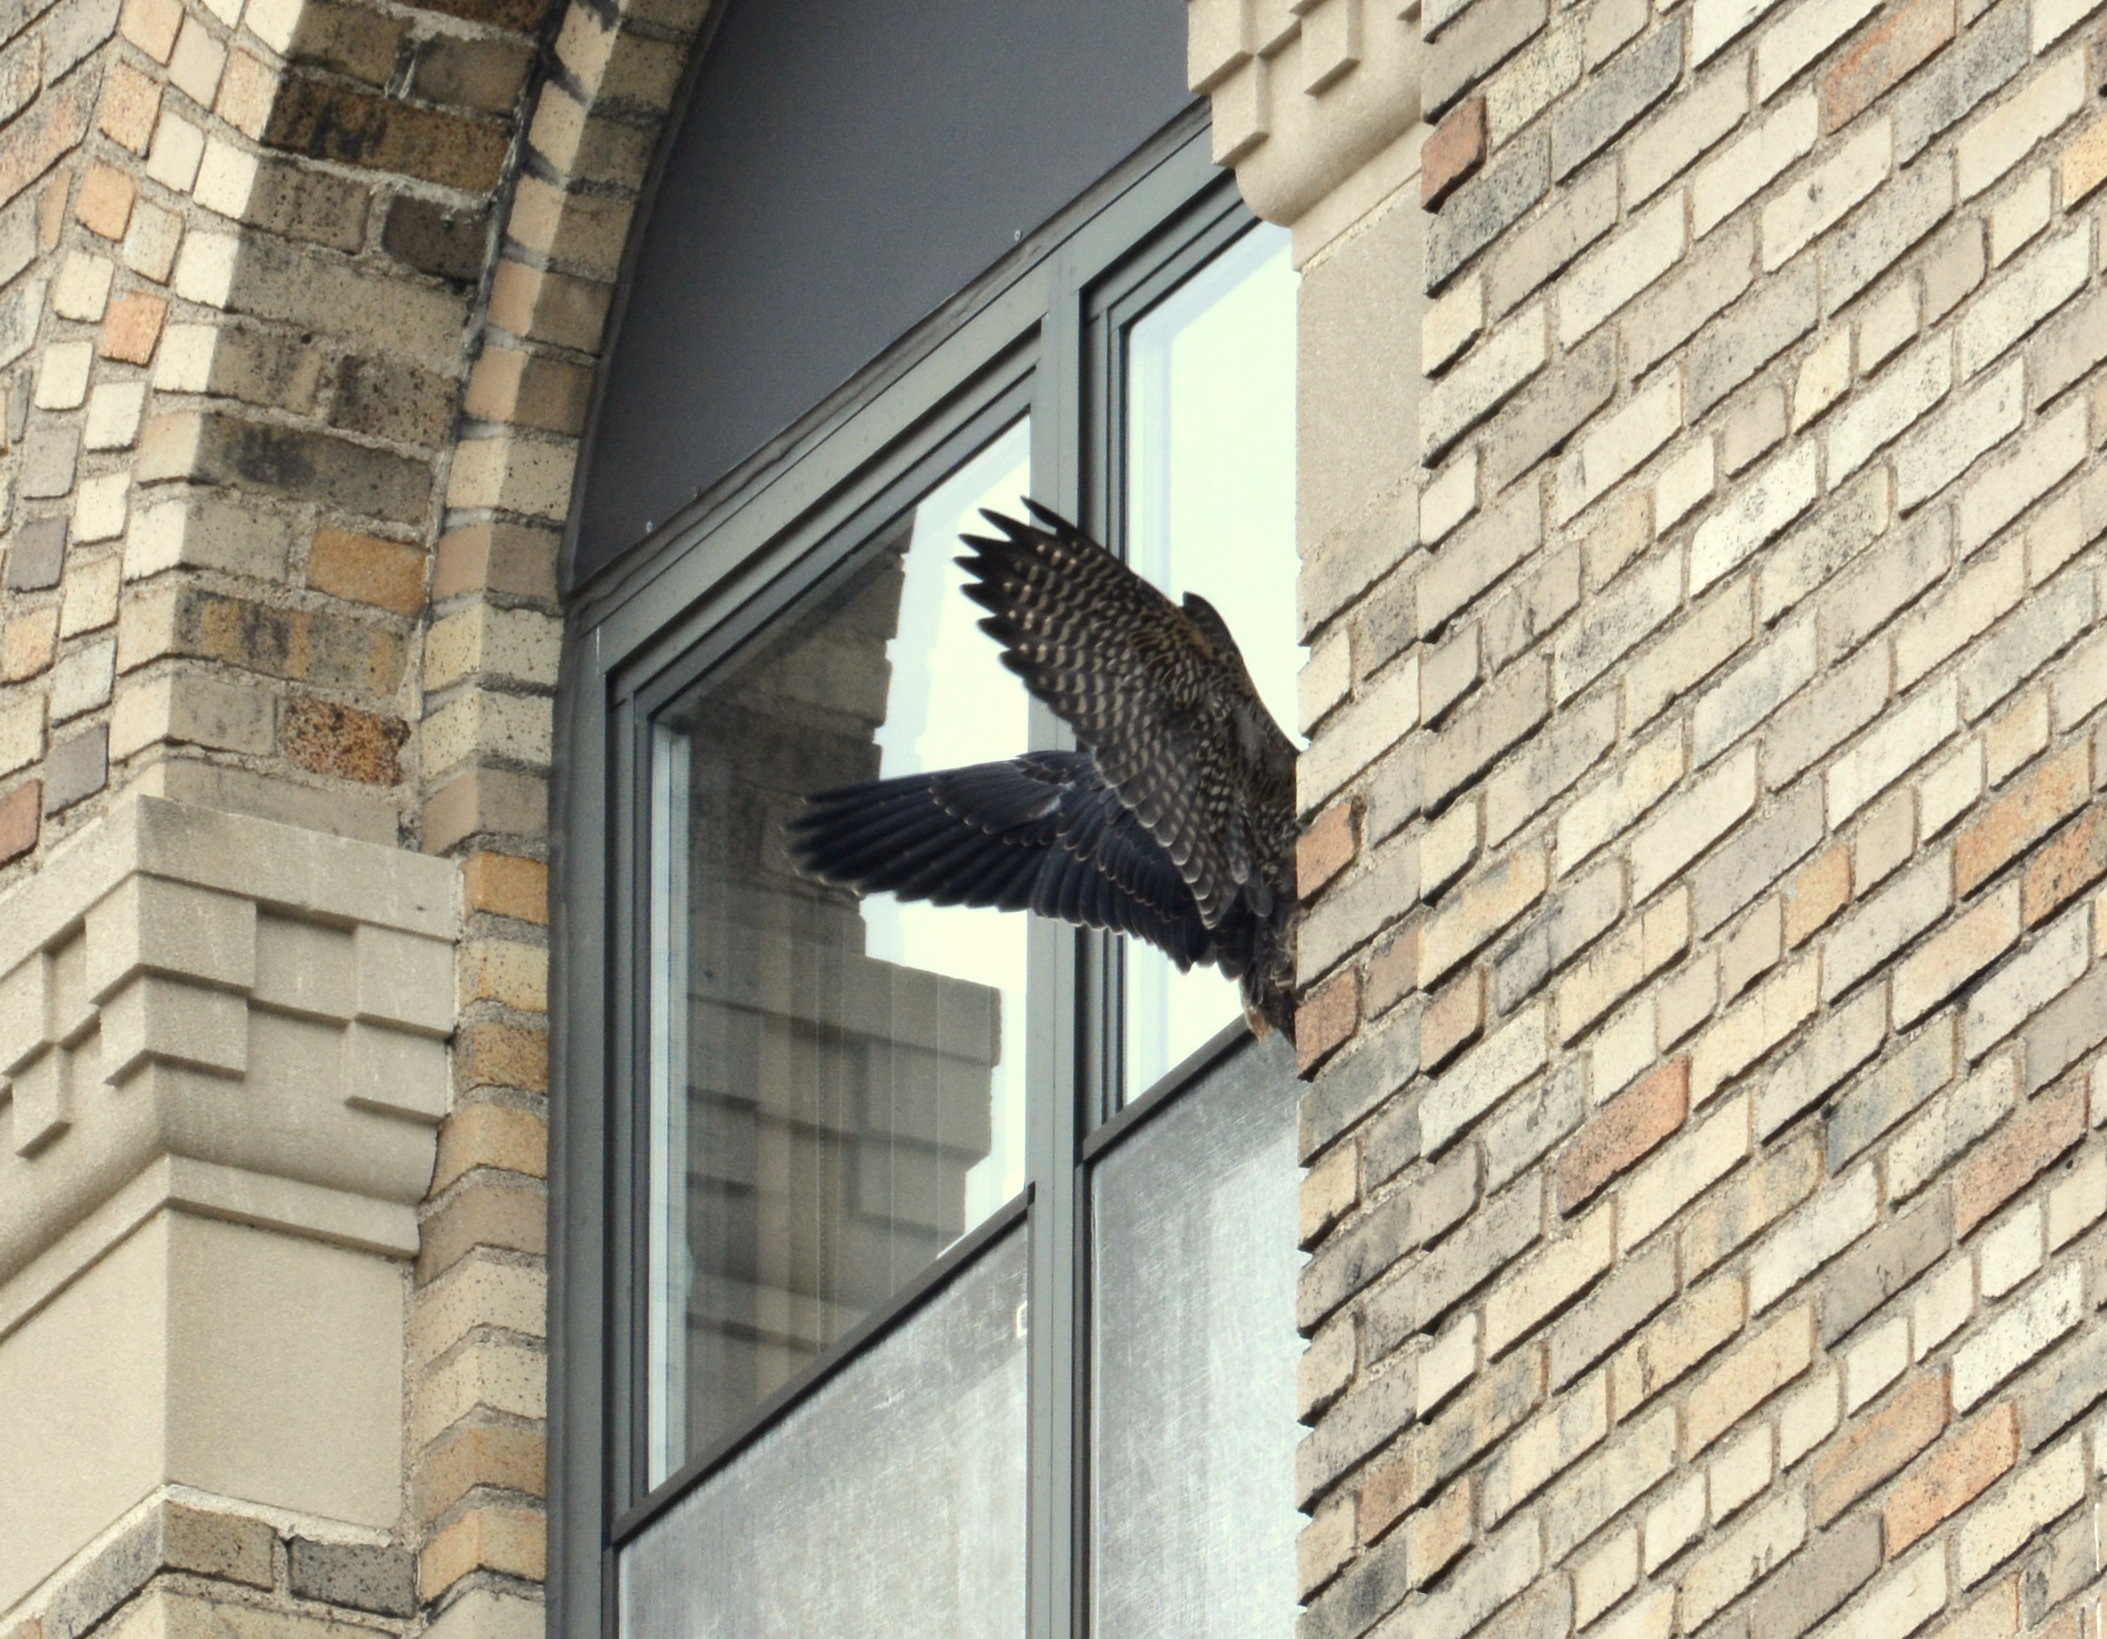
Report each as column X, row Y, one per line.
column 1705, row 924
column 299, row 303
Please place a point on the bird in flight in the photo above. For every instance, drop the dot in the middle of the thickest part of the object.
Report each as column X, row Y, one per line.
column 1175, row 820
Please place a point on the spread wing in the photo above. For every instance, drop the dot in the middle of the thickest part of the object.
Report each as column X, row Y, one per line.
column 1042, row 832
column 1157, row 692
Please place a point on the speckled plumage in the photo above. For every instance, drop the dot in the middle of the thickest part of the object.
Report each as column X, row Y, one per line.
column 1175, row 822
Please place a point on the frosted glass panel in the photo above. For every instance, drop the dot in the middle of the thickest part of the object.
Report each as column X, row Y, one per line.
column 1211, row 509
column 837, row 1084
column 1193, row 1388
column 889, row 1505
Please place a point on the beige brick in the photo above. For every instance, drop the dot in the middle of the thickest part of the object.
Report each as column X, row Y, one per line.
column 1741, row 1471
column 2012, row 1251
column 1838, row 1215
column 1616, row 966
column 2002, row 138
column 1743, row 1557
column 1943, row 964
column 1617, row 446
column 1745, row 1033
column 1741, row 169
column 1906, row 391
column 1451, row 323
column 1907, row 1599
column 1903, row 737
column 1966, row 427
column 1482, row 908
column 1530, row 1293
column 1602, row 282
column 1819, row 200
column 1543, row 1449
column 1757, row 509
column 1471, row 391
column 2019, row 1332
column 2043, row 1129
column 1602, row 811
column 1683, row 1170
column 1948, row 1126
column 1479, row 1080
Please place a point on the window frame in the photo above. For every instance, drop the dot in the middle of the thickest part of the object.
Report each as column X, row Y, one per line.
column 1039, row 334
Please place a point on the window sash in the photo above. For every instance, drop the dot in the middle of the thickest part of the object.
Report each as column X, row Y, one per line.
column 1041, row 335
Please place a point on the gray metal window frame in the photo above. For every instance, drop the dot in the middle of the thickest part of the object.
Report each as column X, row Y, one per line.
column 1039, row 334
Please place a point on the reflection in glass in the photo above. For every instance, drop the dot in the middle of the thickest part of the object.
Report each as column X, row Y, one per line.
column 888, row 1505
column 1211, row 509
column 1193, row 1368
column 837, row 1089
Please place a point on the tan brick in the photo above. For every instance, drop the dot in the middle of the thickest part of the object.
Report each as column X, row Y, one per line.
column 512, row 1217
column 1880, row 1446
column 1689, row 1331
column 510, row 1541
column 1747, row 1377
column 1326, row 847
column 1481, row 909
column 1954, row 1475
column 1438, row 1533
column 491, row 1135
column 231, row 1547
column 1323, row 1546
column 2067, row 864
column 1815, row 894
column 21, row 819
column 104, row 203
column 2017, row 1153
column 1452, row 1020
column 1530, row 1292
column 1325, row 1021
column 1329, row 1192
column 28, row 644
column 492, row 1053
column 131, row 104
column 501, row 1456
column 506, row 885
column 2047, row 797
column 1624, row 1131
column 1948, row 960
column 367, row 569
column 2084, row 163
column 131, row 329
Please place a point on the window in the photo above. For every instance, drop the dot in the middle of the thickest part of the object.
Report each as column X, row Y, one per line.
column 928, row 1271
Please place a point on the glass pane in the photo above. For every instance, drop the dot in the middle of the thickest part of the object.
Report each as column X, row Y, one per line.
column 1211, row 509
column 1193, row 1389
column 838, row 1087
column 891, row 1504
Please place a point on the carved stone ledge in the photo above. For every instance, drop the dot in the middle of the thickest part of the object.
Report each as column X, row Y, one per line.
column 1305, row 93
column 228, row 991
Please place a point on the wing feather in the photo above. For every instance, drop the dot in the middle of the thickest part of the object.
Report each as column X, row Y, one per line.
column 1157, row 692
column 1041, row 832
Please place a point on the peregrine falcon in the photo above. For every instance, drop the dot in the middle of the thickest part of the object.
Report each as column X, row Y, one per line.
column 1174, row 823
